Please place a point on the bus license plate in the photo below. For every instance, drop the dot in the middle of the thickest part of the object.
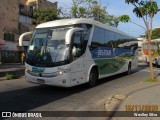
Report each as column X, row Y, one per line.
column 40, row 81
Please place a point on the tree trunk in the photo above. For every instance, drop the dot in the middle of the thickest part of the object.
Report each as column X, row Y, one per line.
column 150, row 37
column 150, row 59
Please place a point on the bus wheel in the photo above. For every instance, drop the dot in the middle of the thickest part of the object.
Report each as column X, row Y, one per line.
column 129, row 69
column 92, row 78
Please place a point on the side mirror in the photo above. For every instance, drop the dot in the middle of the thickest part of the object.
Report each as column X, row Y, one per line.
column 22, row 36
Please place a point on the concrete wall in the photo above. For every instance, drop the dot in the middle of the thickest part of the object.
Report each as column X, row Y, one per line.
column 8, row 16
column 40, row 4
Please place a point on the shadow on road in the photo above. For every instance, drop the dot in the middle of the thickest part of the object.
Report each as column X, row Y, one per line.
column 29, row 98
column 33, row 97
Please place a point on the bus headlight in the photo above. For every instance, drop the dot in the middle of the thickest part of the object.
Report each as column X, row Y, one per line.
column 60, row 72
column 26, row 70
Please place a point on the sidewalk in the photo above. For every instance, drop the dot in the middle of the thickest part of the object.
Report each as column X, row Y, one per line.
column 14, row 68
column 141, row 93
column 137, row 97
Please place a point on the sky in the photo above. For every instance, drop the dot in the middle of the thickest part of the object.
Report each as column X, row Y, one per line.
column 117, row 8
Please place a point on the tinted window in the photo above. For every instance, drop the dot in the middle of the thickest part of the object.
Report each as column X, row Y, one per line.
column 98, row 37
column 118, row 36
column 109, row 38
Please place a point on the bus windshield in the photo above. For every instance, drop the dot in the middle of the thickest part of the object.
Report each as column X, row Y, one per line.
column 48, row 48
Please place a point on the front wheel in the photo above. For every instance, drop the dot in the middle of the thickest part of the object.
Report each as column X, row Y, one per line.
column 93, row 76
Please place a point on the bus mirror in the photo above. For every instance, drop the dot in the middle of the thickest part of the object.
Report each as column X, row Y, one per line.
column 22, row 36
column 70, row 33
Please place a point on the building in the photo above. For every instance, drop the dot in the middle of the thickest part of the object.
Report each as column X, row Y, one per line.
column 156, row 27
column 16, row 18
column 142, row 38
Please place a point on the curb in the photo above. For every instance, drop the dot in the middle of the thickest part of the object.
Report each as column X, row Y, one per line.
column 4, row 79
column 112, row 102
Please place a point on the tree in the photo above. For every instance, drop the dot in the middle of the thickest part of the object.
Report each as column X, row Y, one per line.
column 45, row 15
column 91, row 9
column 146, row 9
column 124, row 18
column 156, row 33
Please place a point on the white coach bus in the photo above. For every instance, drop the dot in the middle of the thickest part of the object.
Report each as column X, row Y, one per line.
column 70, row 52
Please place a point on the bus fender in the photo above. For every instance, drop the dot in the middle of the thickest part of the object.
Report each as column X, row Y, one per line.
column 93, row 65
column 130, row 62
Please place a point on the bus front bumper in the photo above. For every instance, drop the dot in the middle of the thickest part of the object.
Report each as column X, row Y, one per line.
column 61, row 80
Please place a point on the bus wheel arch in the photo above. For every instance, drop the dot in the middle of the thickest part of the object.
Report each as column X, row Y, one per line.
column 93, row 76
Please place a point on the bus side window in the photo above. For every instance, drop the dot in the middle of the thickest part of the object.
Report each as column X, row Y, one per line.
column 98, row 38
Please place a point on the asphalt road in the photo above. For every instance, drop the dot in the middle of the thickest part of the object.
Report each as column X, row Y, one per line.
column 19, row 95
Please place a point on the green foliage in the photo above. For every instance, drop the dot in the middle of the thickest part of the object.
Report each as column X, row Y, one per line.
column 45, row 15
column 74, row 10
column 10, row 76
column 82, row 11
column 146, row 9
column 156, row 33
column 150, row 80
column 91, row 9
column 124, row 18
column 99, row 13
column 143, row 7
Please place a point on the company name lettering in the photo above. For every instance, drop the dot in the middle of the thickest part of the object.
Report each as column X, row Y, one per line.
column 104, row 52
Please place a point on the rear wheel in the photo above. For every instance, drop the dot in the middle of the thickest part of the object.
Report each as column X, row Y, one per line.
column 93, row 76
column 129, row 69
column 147, row 62
column 157, row 65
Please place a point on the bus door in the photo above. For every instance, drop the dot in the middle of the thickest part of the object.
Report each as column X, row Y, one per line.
column 78, row 63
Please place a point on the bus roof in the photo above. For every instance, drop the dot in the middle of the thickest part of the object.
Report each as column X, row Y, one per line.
column 64, row 22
